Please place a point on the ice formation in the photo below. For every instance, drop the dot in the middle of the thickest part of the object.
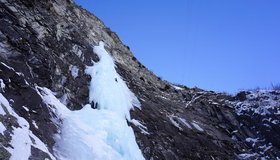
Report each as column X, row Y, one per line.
column 101, row 133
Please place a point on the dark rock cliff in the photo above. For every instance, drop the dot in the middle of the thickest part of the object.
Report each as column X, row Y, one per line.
column 49, row 44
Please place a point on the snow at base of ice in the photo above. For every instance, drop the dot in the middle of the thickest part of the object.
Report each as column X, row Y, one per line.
column 96, row 134
column 101, row 133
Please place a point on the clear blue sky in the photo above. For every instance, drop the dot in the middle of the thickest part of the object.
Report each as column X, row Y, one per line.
column 220, row 45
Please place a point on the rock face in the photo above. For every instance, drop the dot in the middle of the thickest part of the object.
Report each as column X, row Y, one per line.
column 49, row 44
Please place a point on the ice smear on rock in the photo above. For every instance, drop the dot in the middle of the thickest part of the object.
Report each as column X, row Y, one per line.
column 102, row 133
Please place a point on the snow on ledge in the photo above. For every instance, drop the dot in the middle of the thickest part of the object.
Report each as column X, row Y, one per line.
column 177, row 87
column 196, row 126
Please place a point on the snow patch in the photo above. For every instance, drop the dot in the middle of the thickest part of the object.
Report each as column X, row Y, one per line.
column 40, row 30
column 54, row 104
column 185, row 122
column 262, row 102
column 20, row 74
column 177, row 87
column 74, row 71
column 264, row 107
column 2, row 85
column 178, row 122
column 21, row 142
column 247, row 155
column 2, row 128
column 140, row 126
column 253, row 141
column 265, row 147
column 174, row 122
column 58, row 32
column 194, row 98
column 4, row 103
column 162, row 97
column 78, row 52
column 34, row 124
column 25, row 108
column 11, row 68
column 196, row 126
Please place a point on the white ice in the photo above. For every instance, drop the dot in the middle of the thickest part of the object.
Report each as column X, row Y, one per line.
column 101, row 133
column 107, row 87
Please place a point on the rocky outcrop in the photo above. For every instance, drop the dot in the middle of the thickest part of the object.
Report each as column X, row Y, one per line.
column 259, row 117
column 49, row 44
